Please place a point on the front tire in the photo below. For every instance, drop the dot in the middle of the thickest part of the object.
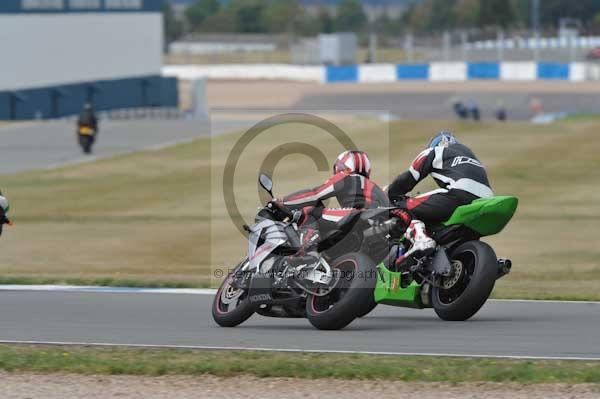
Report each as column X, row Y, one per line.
column 477, row 262
column 231, row 306
column 350, row 297
column 370, row 306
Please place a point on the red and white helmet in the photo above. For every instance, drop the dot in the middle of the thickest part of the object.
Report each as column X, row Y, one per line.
column 353, row 162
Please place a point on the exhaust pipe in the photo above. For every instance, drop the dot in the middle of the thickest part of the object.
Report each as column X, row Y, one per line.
column 504, row 266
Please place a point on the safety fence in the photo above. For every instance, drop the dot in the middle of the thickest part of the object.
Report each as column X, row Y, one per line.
column 435, row 71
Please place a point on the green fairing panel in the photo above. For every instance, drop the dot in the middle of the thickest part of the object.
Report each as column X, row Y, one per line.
column 389, row 291
column 486, row 216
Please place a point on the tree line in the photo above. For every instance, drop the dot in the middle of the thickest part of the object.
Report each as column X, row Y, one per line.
column 425, row 16
column 264, row 16
column 439, row 15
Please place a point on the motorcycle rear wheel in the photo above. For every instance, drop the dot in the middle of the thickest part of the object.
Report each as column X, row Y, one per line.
column 349, row 298
column 86, row 143
column 478, row 265
column 231, row 306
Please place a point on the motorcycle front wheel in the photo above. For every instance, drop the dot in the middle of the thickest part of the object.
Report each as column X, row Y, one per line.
column 350, row 296
column 231, row 306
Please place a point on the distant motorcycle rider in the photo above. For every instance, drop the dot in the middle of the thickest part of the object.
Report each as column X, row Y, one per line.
column 350, row 185
column 87, row 117
column 462, row 179
column 4, row 208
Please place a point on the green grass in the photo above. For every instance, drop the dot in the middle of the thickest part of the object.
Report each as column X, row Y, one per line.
column 582, row 117
column 146, row 218
column 156, row 362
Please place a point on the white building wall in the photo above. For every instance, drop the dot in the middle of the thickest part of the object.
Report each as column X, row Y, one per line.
column 47, row 49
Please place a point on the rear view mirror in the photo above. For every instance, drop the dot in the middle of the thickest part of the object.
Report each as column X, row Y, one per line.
column 266, row 183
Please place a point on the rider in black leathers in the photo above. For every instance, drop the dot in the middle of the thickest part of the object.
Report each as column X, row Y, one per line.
column 87, row 117
column 462, row 179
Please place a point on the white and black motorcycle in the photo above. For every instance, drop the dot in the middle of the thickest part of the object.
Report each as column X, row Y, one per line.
column 331, row 290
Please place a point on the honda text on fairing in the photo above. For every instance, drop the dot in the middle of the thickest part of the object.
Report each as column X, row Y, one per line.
column 355, row 268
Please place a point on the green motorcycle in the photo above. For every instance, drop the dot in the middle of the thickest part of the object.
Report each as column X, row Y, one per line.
column 354, row 269
column 459, row 277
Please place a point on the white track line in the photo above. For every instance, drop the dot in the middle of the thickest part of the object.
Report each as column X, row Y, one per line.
column 194, row 291
column 546, row 301
column 290, row 350
column 111, row 290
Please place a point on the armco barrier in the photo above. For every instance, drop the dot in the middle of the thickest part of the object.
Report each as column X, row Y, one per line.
column 483, row 70
column 435, row 71
column 579, row 71
column 518, row 71
column 412, row 72
column 301, row 73
column 63, row 100
column 553, row 71
column 343, row 73
column 375, row 73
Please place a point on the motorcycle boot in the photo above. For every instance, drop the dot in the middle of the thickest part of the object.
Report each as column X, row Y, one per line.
column 422, row 244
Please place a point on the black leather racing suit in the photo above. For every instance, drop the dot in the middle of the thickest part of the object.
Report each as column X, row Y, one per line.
column 88, row 118
column 461, row 176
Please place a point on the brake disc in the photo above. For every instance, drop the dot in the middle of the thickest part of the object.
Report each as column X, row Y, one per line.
column 457, row 272
column 230, row 294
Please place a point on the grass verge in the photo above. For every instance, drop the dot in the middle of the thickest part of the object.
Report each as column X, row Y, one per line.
column 156, row 362
column 148, row 219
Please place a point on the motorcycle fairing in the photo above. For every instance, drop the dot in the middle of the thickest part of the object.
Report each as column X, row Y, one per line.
column 274, row 236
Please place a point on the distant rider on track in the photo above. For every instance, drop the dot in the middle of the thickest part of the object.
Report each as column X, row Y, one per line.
column 4, row 208
column 88, row 118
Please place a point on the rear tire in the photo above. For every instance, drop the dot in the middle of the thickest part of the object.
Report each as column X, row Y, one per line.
column 86, row 144
column 351, row 296
column 226, row 296
column 480, row 270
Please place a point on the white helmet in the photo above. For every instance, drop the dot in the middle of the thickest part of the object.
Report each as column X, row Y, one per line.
column 4, row 204
column 4, row 207
column 354, row 162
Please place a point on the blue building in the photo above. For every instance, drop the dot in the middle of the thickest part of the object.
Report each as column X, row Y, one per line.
column 62, row 53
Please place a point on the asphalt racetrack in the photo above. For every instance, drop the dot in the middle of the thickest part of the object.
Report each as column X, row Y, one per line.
column 501, row 328
column 438, row 106
column 40, row 145
column 36, row 145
